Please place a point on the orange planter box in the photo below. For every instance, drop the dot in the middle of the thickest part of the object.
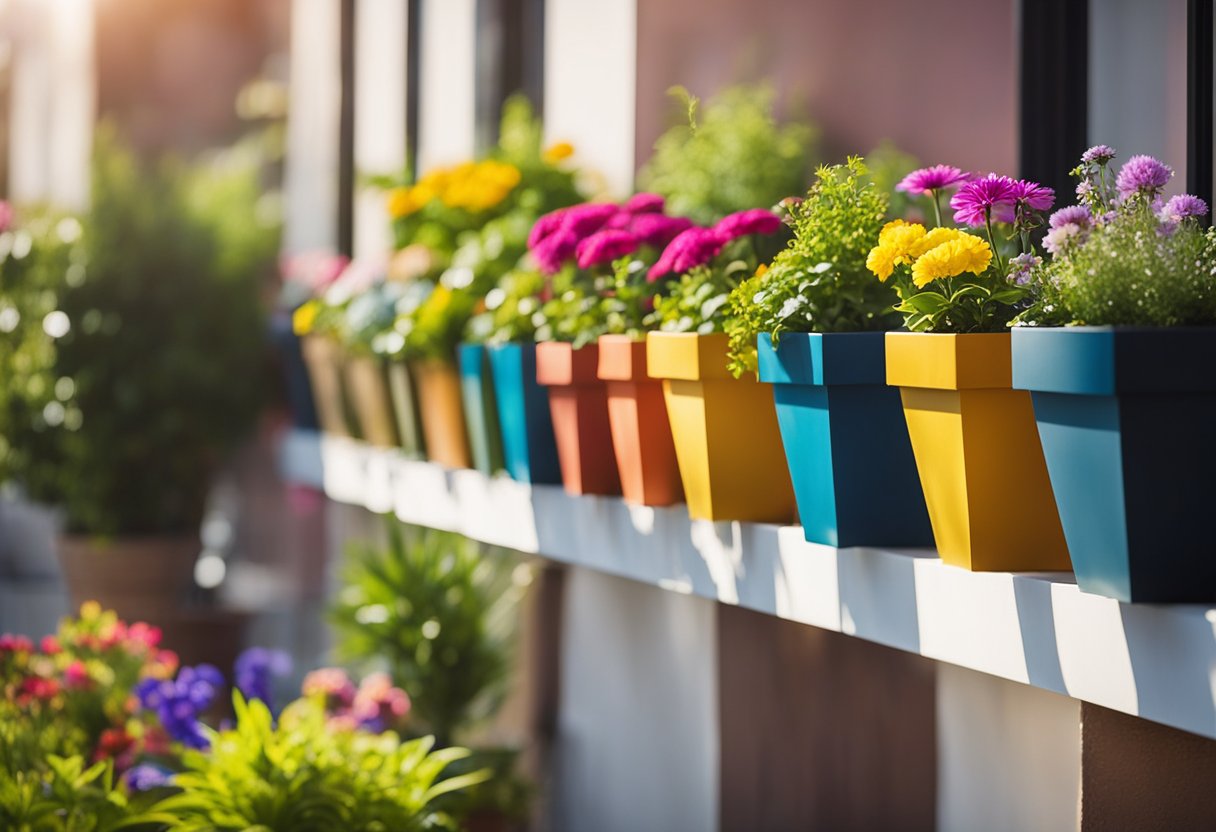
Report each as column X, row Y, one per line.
column 442, row 413
column 641, row 432
column 578, row 402
column 977, row 451
column 725, row 431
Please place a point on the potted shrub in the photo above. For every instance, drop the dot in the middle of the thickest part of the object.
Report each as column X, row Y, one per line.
column 1124, row 394
column 819, row 317
column 977, row 450
column 725, row 429
column 470, row 222
column 142, row 400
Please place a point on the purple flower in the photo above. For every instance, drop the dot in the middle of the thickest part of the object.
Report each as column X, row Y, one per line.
column 1099, row 153
column 256, row 670
column 935, row 178
column 605, row 246
column 644, row 203
column 1075, row 214
column 1142, row 175
column 179, row 702
column 1182, row 206
column 1032, row 195
column 990, row 197
column 751, row 221
column 691, row 248
column 1061, row 237
column 146, row 776
column 657, row 230
column 1022, row 266
column 1167, row 227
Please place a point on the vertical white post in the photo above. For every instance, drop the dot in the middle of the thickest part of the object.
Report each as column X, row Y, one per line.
column 311, row 177
column 590, row 84
column 446, row 72
column 380, row 67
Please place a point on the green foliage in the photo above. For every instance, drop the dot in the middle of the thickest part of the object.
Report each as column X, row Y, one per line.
column 819, row 282
column 302, row 775
column 156, row 376
column 511, row 310
column 730, row 157
column 438, row 609
column 68, row 796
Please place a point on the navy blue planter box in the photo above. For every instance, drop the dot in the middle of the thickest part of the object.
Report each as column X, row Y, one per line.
column 529, row 449
column 300, row 401
column 480, row 408
column 1126, row 416
column 845, row 440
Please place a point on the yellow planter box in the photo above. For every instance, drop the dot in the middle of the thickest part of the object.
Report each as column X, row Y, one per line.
column 727, row 442
column 442, row 412
column 977, row 451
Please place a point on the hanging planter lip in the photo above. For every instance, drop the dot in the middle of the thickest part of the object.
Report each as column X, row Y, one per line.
column 687, row 356
column 622, row 358
column 939, row 361
column 558, row 363
column 1105, row 361
column 822, row 358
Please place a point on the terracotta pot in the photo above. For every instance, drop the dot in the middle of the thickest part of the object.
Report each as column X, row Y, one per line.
column 725, row 429
column 578, row 403
column 480, row 409
column 442, row 413
column 369, row 397
column 637, row 415
column 323, row 357
column 529, row 448
column 404, row 393
column 141, row 578
column 977, row 452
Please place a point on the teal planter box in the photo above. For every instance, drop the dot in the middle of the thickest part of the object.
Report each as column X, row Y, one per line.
column 480, row 408
column 529, row 449
column 845, row 440
column 1126, row 416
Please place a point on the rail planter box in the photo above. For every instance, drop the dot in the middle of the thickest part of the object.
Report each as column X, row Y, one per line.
column 1126, row 418
column 845, row 440
column 324, row 358
column 442, row 413
column 641, row 432
column 725, row 429
column 578, row 402
column 403, row 390
column 367, row 384
column 529, row 449
column 977, row 451
column 480, row 410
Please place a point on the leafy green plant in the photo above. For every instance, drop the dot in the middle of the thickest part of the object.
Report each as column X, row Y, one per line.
column 437, row 609
column 148, row 359
column 301, row 774
column 819, row 282
column 70, row 796
column 731, row 155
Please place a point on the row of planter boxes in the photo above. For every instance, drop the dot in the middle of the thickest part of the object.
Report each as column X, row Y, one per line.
column 1007, row 451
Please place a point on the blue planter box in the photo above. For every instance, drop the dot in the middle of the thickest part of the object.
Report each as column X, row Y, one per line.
column 480, row 408
column 529, row 448
column 300, row 401
column 845, row 440
column 1126, row 416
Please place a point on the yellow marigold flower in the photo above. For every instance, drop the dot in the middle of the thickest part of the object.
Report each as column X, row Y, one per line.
column 90, row 610
column 305, row 316
column 557, row 152
column 900, row 232
column 933, row 239
column 881, row 261
column 965, row 253
column 401, row 202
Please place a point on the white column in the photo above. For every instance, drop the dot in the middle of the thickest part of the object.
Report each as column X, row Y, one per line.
column 1008, row 755
column 53, row 102
column 380, row 67
column 638, row 730
column 446, row 70
column 311, row 176
column 590, row 84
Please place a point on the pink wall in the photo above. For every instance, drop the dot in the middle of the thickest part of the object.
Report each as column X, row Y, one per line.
column 938, row 77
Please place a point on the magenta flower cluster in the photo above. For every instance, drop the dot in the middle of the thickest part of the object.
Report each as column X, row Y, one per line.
column 696, row 246
column 596, row 233
column 996, row 198
column 935, row 178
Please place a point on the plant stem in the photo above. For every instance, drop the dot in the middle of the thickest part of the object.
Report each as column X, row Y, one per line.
column 937, row 208
column 992, row 240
